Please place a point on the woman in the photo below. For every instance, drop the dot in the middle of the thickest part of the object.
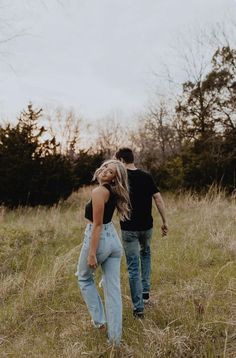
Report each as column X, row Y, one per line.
column 102, row 246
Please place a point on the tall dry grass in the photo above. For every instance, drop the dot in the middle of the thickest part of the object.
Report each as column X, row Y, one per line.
column 193, row 301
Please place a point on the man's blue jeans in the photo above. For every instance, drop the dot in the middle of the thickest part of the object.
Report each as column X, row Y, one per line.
column 108, row 255
column 138, row 256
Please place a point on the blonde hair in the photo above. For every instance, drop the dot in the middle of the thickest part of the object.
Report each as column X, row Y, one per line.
column 119, row 187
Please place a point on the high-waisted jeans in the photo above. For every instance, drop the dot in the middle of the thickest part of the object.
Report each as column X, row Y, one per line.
column 108, row 255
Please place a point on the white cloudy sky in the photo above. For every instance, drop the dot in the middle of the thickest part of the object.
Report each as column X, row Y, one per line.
column 94, row 56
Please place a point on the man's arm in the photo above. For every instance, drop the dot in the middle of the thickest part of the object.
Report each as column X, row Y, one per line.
column 161, row 209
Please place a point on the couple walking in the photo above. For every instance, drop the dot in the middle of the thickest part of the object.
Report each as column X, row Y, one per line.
column 129, row 190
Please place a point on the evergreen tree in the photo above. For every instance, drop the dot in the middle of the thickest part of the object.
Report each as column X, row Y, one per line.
column 31, row 172
column 85, row 165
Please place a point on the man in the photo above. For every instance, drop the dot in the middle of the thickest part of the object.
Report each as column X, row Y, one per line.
column 137, row 232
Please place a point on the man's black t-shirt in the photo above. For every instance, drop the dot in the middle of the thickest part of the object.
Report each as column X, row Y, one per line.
column 142, row 188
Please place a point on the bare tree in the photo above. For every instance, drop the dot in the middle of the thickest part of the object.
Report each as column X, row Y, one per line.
column 65, row 126
column 111, row 135
column 156, row 138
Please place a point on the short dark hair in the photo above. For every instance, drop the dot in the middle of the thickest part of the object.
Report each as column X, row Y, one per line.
column 126, row 154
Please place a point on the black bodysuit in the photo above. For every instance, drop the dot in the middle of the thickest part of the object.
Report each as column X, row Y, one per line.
column 109, row 208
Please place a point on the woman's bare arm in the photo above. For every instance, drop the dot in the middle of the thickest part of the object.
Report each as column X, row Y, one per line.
column 99, row 197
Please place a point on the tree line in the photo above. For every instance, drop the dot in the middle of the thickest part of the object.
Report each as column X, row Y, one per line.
column 194, row 146
column 33, row 171
column 190, row 146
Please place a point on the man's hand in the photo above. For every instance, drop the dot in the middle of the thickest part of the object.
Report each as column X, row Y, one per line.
column 164, row 230
column 92, row 261
column 161, row 208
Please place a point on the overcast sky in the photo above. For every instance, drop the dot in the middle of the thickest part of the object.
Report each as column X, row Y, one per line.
column 94, row 56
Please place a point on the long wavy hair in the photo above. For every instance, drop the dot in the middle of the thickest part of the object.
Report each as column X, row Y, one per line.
column 119, row 187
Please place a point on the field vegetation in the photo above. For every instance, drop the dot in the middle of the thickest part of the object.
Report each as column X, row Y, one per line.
column 193, row 301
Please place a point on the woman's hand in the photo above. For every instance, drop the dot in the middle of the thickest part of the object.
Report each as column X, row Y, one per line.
column 92, row 261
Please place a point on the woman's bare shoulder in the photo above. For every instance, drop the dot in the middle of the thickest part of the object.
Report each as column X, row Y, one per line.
column 101, row 191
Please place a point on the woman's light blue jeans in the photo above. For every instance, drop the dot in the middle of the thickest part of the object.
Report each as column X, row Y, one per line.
column 108, row 254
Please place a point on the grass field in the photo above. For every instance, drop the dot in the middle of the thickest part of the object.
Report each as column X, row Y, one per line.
column 193, row 300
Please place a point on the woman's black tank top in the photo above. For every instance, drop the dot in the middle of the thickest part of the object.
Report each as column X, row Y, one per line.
column 109, row 208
